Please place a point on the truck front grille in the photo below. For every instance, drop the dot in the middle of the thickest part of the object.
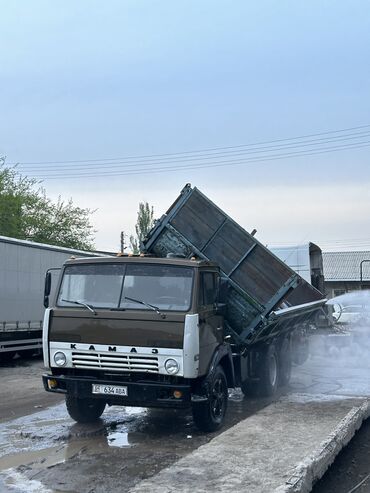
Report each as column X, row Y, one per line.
column 115, row 361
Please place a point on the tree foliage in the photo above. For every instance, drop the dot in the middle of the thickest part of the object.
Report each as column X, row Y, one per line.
column 27, row 213
column 145, row 222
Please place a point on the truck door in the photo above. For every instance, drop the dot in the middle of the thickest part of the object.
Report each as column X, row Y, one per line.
column 210, row 324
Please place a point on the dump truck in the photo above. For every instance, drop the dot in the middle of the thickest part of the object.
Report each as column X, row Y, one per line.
column 206, row 307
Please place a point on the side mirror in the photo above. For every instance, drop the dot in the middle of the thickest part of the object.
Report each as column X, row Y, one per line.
column 47, row 288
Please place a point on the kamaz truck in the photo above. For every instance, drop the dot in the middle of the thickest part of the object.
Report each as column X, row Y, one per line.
column 205, row 308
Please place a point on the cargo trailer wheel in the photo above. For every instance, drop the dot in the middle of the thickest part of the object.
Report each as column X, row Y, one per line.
column 84, row 410
column 209, row 415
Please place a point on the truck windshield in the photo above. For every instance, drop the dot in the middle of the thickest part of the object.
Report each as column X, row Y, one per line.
column 119, row 286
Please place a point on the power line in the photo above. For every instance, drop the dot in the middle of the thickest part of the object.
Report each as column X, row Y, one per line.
column 212, row 149
column 186, row 167
column 197, row 167
column 317, row 143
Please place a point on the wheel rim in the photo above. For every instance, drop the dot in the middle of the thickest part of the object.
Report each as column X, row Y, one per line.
column 218, row 399
column 273, row 370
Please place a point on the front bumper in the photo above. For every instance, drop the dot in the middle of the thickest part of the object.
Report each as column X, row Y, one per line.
column 140, row 394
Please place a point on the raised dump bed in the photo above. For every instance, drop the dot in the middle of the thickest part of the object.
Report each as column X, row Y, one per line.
column 262, row 289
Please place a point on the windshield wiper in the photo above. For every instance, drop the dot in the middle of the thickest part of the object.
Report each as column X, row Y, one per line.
column 141, row 302
column 76, row 302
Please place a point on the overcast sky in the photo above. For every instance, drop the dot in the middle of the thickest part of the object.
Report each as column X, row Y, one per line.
column 93, row 80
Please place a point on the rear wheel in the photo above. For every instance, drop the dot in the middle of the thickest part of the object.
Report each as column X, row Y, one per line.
column 266, row 373
column 270, row 372
column 209, row 415
column 84, row 410
column 300, row 347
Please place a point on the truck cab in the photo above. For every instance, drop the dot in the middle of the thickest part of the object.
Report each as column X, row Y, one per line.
column 138, row 331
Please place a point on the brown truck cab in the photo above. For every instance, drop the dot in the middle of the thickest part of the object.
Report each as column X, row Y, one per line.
column 138, row 331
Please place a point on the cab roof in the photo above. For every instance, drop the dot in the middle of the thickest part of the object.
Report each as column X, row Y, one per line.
column 141, row 260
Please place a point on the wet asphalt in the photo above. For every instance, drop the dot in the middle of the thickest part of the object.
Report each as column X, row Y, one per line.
column 49, row 449
column 47, row 452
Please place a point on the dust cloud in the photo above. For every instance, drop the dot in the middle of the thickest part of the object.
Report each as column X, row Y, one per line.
column 339, row 359
column 349, row 339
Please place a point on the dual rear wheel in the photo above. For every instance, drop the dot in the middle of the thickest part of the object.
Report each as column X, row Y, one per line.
column 272, row 368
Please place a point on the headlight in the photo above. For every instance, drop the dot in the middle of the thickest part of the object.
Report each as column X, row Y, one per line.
column 60, row 358
column 172, row 366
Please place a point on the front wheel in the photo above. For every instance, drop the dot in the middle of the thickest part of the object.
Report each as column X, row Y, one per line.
column 84, row 410
column 209, row 415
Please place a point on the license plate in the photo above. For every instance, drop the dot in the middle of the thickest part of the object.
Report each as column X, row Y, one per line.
column 108, row 389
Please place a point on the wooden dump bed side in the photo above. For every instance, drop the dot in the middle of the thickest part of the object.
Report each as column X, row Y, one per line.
column 259, row 282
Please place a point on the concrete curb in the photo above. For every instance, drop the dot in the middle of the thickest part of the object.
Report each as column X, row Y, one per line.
column 315, row 465
column 284, row 448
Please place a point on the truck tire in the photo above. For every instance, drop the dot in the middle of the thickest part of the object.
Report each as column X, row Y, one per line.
column 269, row 372
column 300, row 347
column 84, row 410
column 285, row 362
column 266, row 374
column 209, row 415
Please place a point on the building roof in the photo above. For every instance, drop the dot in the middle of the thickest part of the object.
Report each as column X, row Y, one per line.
column 44, row 246
column 345, row 266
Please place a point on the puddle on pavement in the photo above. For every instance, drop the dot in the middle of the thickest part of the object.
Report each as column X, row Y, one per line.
column 50, row 456
column 37, row 443
column 50, row 437
column 118, row 440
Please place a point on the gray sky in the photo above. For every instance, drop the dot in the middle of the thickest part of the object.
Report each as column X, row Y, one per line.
column 92, row 80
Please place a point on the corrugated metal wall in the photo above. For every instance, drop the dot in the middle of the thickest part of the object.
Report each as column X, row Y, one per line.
column 22, row 272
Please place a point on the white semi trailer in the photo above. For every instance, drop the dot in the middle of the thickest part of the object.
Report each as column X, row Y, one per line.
column 306, row 260
column 23, row 265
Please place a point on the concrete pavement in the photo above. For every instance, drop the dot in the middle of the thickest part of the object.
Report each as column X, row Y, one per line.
column 288, row 445
column 283, row 448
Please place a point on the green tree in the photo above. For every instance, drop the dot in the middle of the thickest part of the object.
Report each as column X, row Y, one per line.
column 27, row 213
column 145, row 222
column 17, row 197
